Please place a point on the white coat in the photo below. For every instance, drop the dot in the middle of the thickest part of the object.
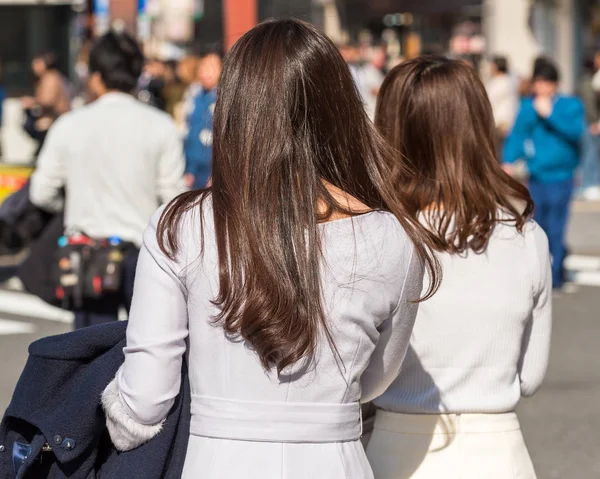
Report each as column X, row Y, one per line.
column 247, row 422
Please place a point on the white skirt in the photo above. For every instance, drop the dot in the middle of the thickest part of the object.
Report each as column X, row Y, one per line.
column 448, row 446
column 233, row 459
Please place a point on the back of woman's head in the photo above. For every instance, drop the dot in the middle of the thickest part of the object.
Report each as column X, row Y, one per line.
column 287, row 119
column 288, row 105
column 436, row 113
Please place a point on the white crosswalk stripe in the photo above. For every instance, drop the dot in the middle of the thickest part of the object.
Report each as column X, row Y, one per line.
column 27, row 305
column 583, row 270
column 9, row 327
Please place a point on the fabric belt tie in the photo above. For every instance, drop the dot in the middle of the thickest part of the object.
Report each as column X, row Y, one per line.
column 275, row 421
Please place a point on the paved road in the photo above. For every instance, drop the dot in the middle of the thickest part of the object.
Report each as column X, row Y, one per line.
column 560, row 423
column 584, row 231
column 13, row 347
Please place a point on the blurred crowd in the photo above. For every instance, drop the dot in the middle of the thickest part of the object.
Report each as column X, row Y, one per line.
column 507, row 91
column 185, row 90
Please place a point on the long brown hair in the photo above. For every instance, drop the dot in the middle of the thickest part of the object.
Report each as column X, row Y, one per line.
column 436, row 113
column 287, row 118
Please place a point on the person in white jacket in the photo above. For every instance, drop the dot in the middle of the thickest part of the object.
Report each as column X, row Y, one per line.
column 117, row 160
column 290, row 286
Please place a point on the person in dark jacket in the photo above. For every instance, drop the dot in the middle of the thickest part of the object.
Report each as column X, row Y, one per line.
column 199, row 139
column 54, row 426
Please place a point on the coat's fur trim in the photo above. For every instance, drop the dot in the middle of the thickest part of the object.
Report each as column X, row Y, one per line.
column 126, row 434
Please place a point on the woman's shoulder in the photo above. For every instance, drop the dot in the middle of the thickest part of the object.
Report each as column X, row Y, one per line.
column 373, row 240
column 531, row 238
column 190, row 229
column 376, row 226
column 537, row 238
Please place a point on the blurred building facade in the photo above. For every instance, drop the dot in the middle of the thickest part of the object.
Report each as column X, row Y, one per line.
column 525, row 29
column 31, row 27
column 565, row 30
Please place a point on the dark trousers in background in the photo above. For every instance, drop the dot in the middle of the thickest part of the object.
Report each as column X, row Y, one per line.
column 106, row 309
column 552, row 202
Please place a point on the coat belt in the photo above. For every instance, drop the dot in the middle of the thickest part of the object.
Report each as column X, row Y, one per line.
column 275, row 421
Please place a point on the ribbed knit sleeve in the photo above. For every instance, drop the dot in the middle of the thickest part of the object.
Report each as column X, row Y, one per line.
column 536, row 339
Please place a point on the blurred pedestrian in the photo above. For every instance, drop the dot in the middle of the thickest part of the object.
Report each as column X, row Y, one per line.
column 199, row 139
column 174, row 88
column 52, row 97
column 371, row 77
column 82, row 74
column 187, row 71
column 504, row 97
column 117, row 160
column 547, row 134
column 526, row 84
column 482, row 341
column 351, row 54
column 590, row 185
column 151, row 85
column 291, row 265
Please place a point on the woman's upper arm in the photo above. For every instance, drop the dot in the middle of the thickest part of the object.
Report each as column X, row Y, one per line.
column 394, row 333
column 535, row 348
column 150, row 378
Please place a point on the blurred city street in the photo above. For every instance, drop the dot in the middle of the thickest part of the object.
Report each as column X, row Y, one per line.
column 560, row 423
column 109, row 108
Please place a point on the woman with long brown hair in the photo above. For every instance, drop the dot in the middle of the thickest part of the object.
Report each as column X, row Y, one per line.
column 290, row 286
column 482, row 341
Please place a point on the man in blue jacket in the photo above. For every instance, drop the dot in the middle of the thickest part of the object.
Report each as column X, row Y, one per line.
column 199, row 139
column 547, row 135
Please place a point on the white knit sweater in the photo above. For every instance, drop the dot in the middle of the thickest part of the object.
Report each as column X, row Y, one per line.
column 483, row 340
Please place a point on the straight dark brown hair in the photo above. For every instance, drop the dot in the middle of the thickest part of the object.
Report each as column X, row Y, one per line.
column 436, row 113
column 287, row 119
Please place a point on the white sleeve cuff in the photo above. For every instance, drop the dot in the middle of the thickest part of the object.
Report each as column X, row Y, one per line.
column 126, row 434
